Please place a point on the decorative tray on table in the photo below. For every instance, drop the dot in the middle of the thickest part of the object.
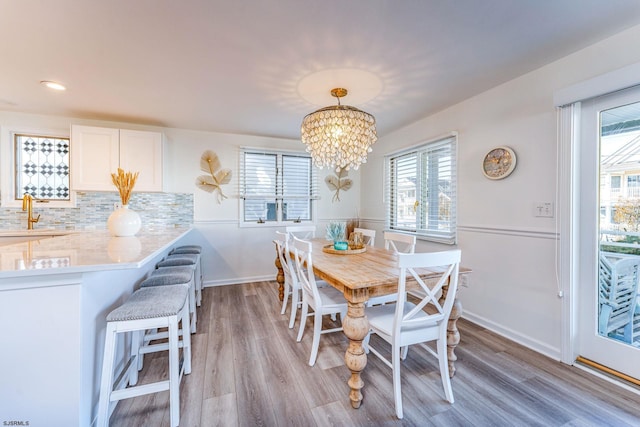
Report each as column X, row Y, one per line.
column 350, row 251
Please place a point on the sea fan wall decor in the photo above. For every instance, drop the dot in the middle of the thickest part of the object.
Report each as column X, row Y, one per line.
column 338, row 182
column 217, row 177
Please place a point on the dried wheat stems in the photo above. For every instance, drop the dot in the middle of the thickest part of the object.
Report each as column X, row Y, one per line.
column 124, row 182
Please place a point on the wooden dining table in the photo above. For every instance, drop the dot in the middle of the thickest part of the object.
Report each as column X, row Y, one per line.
column 360, row 276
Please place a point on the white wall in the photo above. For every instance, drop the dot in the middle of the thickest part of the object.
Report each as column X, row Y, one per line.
column 513, row 287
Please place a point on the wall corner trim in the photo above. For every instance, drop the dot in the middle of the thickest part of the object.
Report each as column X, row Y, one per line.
column 622, row 78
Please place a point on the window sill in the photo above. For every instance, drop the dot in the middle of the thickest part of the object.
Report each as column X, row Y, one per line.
column 272, row 224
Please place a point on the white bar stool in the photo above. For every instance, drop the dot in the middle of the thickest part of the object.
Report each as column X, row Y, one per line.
column 193, row 259
column 197, row 250
column 187, row 249
column 176, row 275
column 148, row 308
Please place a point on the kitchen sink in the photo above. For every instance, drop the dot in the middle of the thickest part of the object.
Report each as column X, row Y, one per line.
column 8, row 237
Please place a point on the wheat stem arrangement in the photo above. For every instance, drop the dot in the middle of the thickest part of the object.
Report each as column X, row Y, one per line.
column 124, row 182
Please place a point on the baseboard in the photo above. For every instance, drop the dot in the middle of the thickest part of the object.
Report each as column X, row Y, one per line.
column 535, row 345
column 238, row 281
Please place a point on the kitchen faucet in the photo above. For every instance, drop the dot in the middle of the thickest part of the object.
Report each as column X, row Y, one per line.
column 27, row 205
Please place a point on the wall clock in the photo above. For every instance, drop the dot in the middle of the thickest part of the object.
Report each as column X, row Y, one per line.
column 499, row 163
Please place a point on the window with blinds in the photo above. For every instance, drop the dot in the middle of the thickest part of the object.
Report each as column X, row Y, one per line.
column 277, row 187
column 421, row 190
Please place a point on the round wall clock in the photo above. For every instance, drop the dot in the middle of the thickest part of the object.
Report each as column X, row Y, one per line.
column 499, row 163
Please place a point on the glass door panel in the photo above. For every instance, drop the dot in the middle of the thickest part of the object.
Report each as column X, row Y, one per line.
column 609, row 323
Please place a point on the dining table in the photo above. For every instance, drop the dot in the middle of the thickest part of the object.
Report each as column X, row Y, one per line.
column 360, row 275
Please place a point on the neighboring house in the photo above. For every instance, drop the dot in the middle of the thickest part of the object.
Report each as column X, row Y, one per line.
column 619, row 177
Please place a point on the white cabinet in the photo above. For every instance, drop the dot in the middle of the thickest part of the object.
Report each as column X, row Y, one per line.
column 98, row 152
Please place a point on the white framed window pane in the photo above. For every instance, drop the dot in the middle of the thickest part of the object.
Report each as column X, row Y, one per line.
column 296, row 210
column 297, row 177
column 277, row 187
column 260, row 210
column 405, row 192
column 260, row 175
column 421, row 191
column 42, row 167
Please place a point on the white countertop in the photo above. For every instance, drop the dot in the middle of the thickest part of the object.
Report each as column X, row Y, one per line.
column 85, row 251
column 36, row 232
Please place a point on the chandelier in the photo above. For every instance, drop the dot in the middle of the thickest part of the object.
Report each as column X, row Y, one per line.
column 339, row 136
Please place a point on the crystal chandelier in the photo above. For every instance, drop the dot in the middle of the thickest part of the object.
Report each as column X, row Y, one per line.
column 339, row 136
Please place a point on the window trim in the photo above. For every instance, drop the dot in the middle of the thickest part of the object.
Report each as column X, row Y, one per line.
column 8, row 162
column 279, row 223
column 446, row 237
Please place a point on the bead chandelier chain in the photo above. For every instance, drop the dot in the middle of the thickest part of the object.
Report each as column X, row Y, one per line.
column 339, row 136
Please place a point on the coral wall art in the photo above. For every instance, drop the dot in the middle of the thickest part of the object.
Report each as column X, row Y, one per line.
column 338, row 182
column 217, row 177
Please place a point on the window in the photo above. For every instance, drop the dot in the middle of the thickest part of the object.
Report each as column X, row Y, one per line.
column 615, row 182
column 42, row 167
column 421, row 190
column 277, row 187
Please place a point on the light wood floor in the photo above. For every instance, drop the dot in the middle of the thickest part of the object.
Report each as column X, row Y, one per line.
column 248, row 370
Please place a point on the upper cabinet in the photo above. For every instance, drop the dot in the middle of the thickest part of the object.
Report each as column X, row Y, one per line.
column 142, row 151
column 98, row 152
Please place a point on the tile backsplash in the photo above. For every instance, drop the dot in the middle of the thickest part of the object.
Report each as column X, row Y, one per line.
column 93, row 209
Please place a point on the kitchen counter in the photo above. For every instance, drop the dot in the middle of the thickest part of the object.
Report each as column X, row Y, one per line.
column 55, row 294
column 83, row 252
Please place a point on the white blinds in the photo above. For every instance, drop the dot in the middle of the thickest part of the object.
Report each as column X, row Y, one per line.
column 258, row 180
column 421, row 190
column 277, row 186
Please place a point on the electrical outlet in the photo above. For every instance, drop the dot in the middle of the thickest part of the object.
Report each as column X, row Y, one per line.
column 543, row 209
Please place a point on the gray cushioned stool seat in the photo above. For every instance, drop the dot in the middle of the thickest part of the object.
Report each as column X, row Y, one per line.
column 180, row 259
column 147, row 303
column 187, row 249
column 192, row 260
column 178, row 275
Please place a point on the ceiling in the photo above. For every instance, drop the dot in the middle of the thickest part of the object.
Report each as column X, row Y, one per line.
column 257, row 67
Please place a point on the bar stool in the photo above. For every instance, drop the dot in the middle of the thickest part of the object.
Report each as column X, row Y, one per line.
column 147, row 308
column 176, row 275
column 191, row 259
column 187, row 249
column 192, row 249
column 168, row 276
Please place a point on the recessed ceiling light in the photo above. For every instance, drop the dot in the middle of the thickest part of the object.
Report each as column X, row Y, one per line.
column 52, row 85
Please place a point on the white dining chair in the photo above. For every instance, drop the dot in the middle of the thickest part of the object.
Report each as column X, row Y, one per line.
column 369, row 235
column 406, row 244
column 323, row 301
column 291, row 283
column 305, row 232
column 405, row 323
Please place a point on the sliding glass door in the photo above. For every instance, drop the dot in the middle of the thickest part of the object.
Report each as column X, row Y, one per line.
column 609, row 194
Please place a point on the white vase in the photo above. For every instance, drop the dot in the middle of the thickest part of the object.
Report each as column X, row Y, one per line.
column 124, row 222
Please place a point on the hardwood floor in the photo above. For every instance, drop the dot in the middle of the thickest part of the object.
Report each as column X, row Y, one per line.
column 248, row 370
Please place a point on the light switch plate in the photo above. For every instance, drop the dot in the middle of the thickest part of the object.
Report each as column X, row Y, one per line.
column 543, row 209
